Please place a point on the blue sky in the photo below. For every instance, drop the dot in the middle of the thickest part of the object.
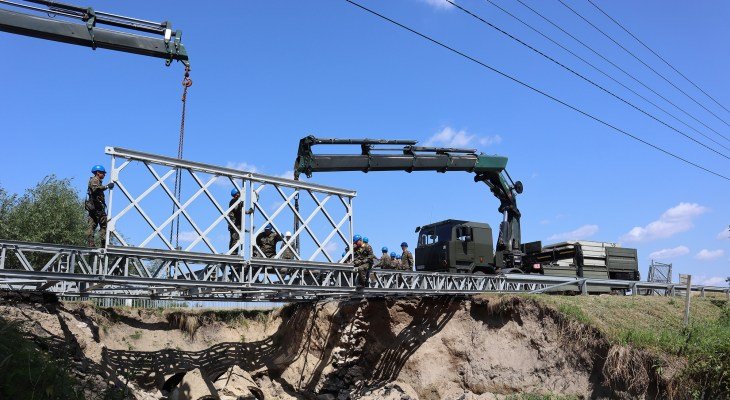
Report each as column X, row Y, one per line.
column 267, row 73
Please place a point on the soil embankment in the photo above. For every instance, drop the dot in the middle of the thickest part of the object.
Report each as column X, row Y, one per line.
column 419, row 348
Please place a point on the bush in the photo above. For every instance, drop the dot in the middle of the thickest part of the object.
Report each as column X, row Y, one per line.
column 28, row 373
column 50, row 212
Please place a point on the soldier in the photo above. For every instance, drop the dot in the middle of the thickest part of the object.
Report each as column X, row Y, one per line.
column 406, row 257
column 266, row 241
column 236, row 217
column 288, row 253
column 394, row 263
column 364, row 258
column 95, row 204
column 366, row 242
column 385, row 261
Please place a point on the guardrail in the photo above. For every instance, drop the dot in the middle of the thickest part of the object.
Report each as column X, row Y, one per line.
column 137, row 273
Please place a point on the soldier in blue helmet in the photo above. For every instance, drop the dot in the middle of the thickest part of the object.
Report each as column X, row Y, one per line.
column 235, row 215
column 385, row 259
column 267, row 241
column 406, row 257
column 363, row 260
column 95, row 205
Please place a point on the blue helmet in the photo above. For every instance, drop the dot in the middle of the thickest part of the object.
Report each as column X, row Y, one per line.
column 365, row 239
column 397, row 257
column 234, row 192
column 98, row 168
column 356, row 238
column 268, row 227
column 404, row 244
column 384, row 249
column 392, row 254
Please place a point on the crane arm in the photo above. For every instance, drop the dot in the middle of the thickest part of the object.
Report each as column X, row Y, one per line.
column 168, row 46
column 408, row 157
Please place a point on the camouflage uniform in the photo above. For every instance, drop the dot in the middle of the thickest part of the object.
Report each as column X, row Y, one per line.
column 236, row 216
column 96, row 206
column 267, row 243
column 406, row 261
column 364, row 259
column 288, row 253
column 385, row 262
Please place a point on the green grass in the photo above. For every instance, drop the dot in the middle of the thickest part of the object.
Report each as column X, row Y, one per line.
column 28, row 373
column 655, row 324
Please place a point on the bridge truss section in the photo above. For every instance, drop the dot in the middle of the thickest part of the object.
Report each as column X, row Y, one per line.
column 128, row 272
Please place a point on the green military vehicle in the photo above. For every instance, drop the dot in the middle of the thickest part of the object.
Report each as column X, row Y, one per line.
column 459, row 246
column 464, row 246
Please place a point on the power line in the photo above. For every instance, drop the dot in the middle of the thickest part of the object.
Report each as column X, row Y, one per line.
column 658, row 56
column 551, row 97
column 606, row 74
column 642, row 61
column 584, row 78
column 621, row 69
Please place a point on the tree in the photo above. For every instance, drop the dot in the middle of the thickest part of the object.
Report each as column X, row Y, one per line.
column 50, row 212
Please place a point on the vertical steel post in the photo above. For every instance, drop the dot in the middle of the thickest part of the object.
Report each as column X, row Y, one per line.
column 687, row 300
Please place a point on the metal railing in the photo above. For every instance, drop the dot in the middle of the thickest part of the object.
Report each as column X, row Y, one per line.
column 134, row 273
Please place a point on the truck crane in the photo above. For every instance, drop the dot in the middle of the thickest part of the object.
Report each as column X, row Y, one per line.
column 168, row 46
column 488, row 169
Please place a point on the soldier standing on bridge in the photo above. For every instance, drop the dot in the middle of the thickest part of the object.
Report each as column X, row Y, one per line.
column 384, row 262
column 236, row 216
column 406, row 258
column 266, row 241
column 288, row 253
column 363, row 260
column 95, row 204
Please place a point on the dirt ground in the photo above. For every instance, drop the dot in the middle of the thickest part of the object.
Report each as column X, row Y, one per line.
column 408, row 348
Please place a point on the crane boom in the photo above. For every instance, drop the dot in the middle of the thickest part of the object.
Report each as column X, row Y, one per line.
column 168, row 46
column 489, row 169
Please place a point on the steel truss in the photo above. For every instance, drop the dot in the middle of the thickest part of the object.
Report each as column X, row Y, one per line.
column 122, row 272
column 320, row 220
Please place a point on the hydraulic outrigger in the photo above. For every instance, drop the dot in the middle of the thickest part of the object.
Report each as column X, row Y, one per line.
column 168, row 46
column 489, row 169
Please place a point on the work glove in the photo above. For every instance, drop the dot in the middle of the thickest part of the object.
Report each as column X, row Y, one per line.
column 110, row 185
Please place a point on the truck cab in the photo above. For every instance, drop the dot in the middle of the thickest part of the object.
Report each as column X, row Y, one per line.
column 455, row 246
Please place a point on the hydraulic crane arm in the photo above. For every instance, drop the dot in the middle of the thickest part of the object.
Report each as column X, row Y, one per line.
column 410, row 157
column 168, row 46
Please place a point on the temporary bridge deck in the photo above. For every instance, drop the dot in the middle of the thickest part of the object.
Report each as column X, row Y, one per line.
column 143, row 259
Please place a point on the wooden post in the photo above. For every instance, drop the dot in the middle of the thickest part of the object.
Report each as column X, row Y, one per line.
column 687, row 299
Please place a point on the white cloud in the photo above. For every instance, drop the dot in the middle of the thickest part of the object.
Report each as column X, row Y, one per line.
column 584, row 232
column 724, row 234
column 710, row 281
column 188, row 236
column 544, row 222
column 241, row 166
column 709, row 255
column 438, row 4
column 449, row 137
column 287, row 175
column 675, row 220
column 669, row 253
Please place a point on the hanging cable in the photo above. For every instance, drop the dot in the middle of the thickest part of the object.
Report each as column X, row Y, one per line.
column 524, row 84
column 175, row 226
column 641, row 61
column 620, row 69
column 574, row 72
column 604, row 73
column 657, row 54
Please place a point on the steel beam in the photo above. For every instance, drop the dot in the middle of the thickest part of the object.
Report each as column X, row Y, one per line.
column 78, row 34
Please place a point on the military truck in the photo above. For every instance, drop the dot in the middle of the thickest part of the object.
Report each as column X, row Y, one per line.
column 466, row 246
column 459, row 246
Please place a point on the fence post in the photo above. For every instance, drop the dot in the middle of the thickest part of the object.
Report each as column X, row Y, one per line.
column 687, row 300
